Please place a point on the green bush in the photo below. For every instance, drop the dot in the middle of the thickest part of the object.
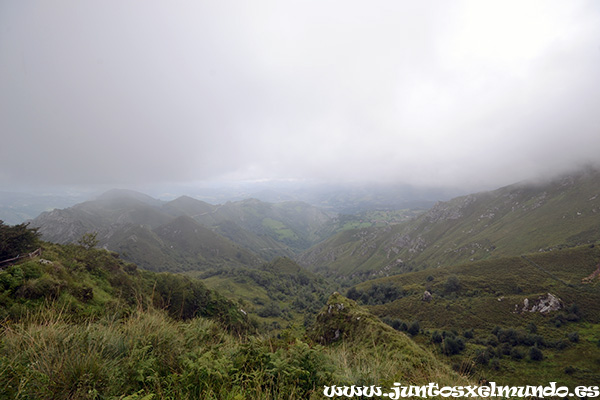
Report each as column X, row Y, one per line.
column 482, row 357
column 573, row 337
column 378, row 293
column 414, row 328
column 452, row 284
column 516, row 354
column 46, row 287
column 536, row 354
column 452, row 345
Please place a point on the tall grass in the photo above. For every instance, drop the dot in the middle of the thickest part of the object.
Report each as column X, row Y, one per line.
column 44, row 356
column 148, row 355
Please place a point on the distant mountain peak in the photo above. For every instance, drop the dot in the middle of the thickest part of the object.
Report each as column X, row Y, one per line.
column 186, row 205
column 116, row 194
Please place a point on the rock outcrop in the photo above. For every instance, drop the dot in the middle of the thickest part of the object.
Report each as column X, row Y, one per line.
column 544, row 304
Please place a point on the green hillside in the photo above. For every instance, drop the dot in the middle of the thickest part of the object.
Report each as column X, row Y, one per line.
column 91, row 283
column 80, row 323
column 265, row 246
column 483, row 304
column 279, row 294
column 197, row 247
column 509, row 221
column 178, row 245
column 293, row 225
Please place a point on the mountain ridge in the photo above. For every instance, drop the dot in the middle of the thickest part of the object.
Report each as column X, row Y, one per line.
column 508, row 221
column 143, row 229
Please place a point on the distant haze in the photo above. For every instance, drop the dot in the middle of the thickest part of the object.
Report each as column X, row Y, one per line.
column 466, row 94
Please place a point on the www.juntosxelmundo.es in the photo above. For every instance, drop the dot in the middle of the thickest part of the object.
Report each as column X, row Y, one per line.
column 491, row 390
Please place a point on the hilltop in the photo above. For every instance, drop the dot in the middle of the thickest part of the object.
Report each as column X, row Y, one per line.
column 185, row 233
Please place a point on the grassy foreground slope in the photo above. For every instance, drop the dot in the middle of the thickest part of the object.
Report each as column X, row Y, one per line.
column 374, row 353
column 79, row 323
column 487, row 305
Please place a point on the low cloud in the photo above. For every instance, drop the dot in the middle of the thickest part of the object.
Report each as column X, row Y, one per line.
column 428, row 93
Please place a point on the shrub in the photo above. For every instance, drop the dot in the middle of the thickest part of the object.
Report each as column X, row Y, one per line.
column 452, row 284
column 561, row 344
column 557, row 323
column 509, row 336
column 436, row 337
column 88, row 240
column 270, row 310
column 573, row 337
column 495, row 364
column 518, row 289
column 379, row 293
column 414, row 328
column 505, row 349
column 569, row 370
column 396, row 323
column 492, row 341
column 516, row 354
column 536, row 354
column 452, row 345
column 482, row 357
column 45, row 286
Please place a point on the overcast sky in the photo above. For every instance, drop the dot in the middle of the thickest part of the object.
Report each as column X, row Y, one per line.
column 459, row 93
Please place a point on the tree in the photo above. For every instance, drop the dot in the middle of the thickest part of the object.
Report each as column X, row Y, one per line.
column 88, row 240
column 17, row 239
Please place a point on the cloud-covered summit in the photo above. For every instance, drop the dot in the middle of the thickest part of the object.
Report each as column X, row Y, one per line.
column 434, row 93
